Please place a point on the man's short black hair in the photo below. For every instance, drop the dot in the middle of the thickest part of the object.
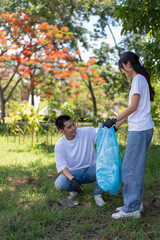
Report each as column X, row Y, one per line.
column 60, row 121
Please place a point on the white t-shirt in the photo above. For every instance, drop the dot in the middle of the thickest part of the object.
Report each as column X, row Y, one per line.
column 141, row 119
column 78, row 152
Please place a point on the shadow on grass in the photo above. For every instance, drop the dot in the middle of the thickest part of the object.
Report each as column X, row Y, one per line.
column 27, row 180
column 37, row 168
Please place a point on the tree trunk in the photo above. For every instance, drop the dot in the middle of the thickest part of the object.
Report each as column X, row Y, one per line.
column 32, row 96
column 114, row 39
column 2, row 107
column 93, row 99
column 2, row 91
column 2, row 103
column 32, row 92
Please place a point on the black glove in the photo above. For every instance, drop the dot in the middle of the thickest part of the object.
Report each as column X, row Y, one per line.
column 115, row 129
column 76, row 185
column 108, row 123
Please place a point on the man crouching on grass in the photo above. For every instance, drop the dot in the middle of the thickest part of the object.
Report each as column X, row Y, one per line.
column 76, row 158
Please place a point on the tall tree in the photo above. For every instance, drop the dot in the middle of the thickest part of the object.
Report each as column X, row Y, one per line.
column 29, row 51
column 90, row 75
column 69, row 13
column 12, row 29
column 142, row 17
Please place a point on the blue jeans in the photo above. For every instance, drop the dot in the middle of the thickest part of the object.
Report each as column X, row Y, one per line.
column 83, row 175
column 133, row 168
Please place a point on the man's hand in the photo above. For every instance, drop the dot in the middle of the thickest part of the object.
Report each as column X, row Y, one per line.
column 76, row 185
column 109, row 123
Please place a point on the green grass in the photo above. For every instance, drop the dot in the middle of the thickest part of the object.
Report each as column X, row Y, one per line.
column 29, row 209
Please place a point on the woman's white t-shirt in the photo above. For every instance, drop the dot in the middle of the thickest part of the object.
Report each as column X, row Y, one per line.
column 141, row 119
column 78, row 152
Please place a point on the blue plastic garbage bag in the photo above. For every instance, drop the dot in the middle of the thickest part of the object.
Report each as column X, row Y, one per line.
column 108, row 164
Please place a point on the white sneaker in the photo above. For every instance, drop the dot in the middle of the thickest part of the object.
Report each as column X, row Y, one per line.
column 140, row 208
column 122, row 214
column 72, row 194
column 99, row 200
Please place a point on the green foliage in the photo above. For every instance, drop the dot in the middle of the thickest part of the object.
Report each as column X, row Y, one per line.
column 11, row 121
column 34, row 120
column 115, row 83
column 82, row 105
column 30, row 116
column 51, row 112
column 155, row 104
column 139, row 16
column 102, row 54
column 4, row 4
column 31, row 119
column 67, row 108
column 142, row 17
column 95, row 120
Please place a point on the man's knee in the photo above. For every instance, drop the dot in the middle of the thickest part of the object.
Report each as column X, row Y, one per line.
column 62, row 183
column 59, row 184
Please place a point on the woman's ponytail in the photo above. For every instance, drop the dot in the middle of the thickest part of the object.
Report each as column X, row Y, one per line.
column 138, row 68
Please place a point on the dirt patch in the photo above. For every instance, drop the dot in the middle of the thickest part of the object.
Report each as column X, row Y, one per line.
column 53, row 175
column 52, row 203
column 23, row 201
column 21, row 181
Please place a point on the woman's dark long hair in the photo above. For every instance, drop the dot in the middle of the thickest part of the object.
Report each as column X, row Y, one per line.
column 138, row 68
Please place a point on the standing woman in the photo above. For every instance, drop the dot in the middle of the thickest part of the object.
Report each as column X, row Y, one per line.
column 140, row 132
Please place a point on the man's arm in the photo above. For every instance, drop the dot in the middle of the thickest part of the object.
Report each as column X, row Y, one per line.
column 67, row 173
column 63, row 168
column 75, row 183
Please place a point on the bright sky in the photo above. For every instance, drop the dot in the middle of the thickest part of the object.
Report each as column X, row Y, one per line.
column 116, row 31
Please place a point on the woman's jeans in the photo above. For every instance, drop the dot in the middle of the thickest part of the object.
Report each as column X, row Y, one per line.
column 83, row 175
column 133, row 168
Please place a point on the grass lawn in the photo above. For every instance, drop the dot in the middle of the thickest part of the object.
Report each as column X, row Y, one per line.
column 29, row 209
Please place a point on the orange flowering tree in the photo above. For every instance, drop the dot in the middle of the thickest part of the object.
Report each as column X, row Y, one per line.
column 47, row 58
column 89, row 74
column 32, row 52
column 40, row 55
column 13, row 28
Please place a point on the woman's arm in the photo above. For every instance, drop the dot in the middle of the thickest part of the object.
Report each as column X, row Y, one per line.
column 130, row 109
column 119, row 123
